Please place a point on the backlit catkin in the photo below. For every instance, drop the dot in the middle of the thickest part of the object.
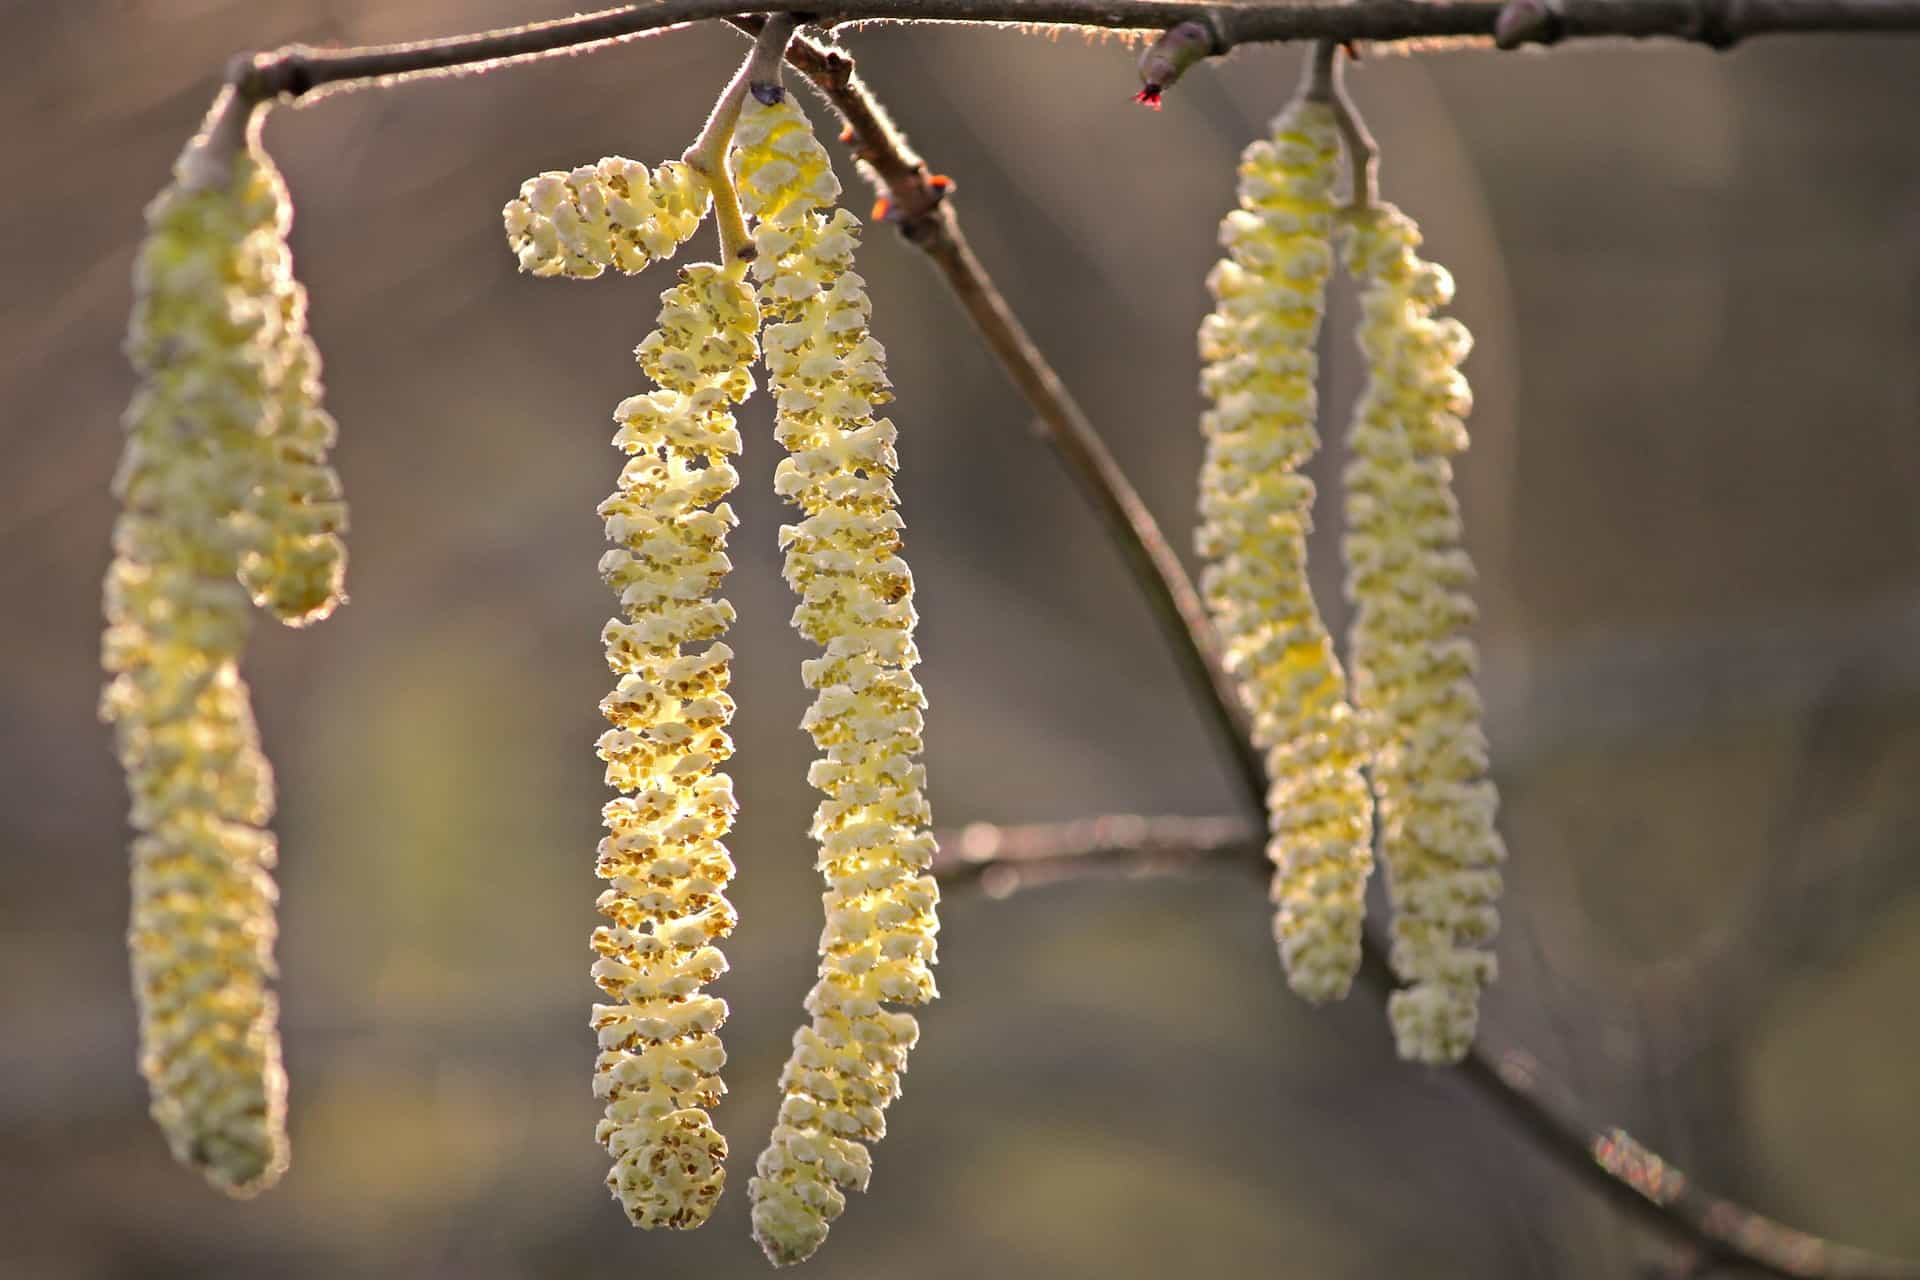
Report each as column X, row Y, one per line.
column 208, row 341
column 1408, row 576
column 296, row 565
column 662, row 857
column 1256, row 508
column 612, row 214
column 827, row 374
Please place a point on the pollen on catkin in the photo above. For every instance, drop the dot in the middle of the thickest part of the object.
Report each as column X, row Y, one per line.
column 856, row 600
column 208, row 341
column 667, row 870
column 615, row 214
column 1258, row 348
column 1408, row 577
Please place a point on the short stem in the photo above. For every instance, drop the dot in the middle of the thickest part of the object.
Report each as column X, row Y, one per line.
column 228, row 129
column 708, row 154
column 1325, row 81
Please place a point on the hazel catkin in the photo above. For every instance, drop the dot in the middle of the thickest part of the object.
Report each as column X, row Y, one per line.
column 663, row 858
column 209, row 342
column 1259, row 352
column 1408, row 576
column 827, row 374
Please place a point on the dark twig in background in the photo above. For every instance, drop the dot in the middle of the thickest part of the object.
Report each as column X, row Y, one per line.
column 1004, row 860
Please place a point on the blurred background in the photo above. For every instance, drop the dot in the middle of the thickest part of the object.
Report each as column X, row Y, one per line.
column 1692, row 496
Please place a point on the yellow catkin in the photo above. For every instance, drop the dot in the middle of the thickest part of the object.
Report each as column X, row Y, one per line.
column 662, row 857
column 843, row 559
column 615, row 214
column 296, row 567
column 1408, row 577
column 1258, row 346
column 207, row 341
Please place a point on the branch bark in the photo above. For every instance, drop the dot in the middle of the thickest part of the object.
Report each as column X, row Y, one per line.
column 1605, row 1157
column 299, row 71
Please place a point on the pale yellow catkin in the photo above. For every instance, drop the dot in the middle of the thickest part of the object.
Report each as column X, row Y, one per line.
column 209, row 341
column 827, row 374
column 663, row 859
column 1408, row 576
column 1259, row 348
column 663, row 856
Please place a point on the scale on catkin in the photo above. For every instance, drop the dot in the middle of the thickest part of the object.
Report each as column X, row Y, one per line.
column 827, row 374
column 1408, row 577
column 663, row 859
column 225, row 493
column 1260, row 365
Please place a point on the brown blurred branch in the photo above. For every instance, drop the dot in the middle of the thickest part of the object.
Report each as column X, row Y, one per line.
column 299, row 70
column 1002, row 861
column 1605, row 1157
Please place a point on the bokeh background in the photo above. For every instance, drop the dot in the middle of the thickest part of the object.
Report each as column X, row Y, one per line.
column 1692, row 495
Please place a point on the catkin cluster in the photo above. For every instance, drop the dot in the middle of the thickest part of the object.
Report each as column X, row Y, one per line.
column 226, row 493
column 662, row 857
column 1408, row 576
column 1259, row 353
column 856, row 600
column 612, row 214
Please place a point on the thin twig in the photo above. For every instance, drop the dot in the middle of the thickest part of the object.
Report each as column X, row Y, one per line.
column 299, row 71
column 1004, row 860
column 1602, row 1156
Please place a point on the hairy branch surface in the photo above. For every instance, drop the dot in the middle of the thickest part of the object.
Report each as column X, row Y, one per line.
column 300, row 71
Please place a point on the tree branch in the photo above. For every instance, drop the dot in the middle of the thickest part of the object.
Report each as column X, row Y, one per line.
column 299, row 71
column 1003, row 860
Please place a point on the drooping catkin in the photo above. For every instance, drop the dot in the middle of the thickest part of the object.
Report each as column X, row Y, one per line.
column 843, row 559
column 209, row 343
column 1408, row 577
column 615, row 214
column 296, row 564
column 662, row 857
column 1259, row 349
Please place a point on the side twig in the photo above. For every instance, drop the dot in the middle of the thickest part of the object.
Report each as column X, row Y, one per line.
column 1604, row 1157
column 1005, row 860
column 299, row 71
